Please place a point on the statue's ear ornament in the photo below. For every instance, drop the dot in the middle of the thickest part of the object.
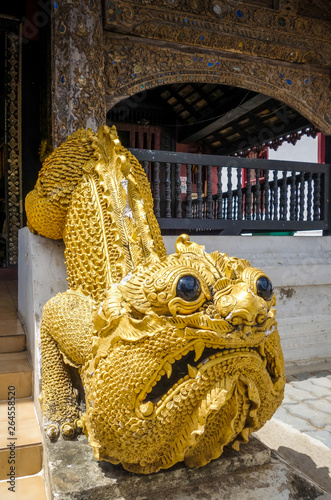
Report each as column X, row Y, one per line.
column 184, row 245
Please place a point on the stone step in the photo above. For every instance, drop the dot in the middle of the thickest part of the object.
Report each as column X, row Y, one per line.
column 21, row 442
column 12, row 336
column 27, row 488
column 15, row 371
column 8, row 301
column 12, row 287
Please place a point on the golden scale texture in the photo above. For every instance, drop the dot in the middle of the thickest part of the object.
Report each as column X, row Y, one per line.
column 179, row 355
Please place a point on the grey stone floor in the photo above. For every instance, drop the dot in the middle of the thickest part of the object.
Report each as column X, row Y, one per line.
column 300, row 430
column 307, row 405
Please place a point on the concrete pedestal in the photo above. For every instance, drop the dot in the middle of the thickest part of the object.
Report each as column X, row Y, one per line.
column 250, row 474
column 42, row 274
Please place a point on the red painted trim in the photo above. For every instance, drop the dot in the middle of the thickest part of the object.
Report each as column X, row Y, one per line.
column 321, row 147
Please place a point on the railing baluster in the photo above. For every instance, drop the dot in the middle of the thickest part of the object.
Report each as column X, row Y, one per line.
column 275, row 196
column 199, row 191
column 309, row 196
column 248, row 200
column 178, row 192
column 230, row 195
column 209, row 193
column 283, row 197
column 257, row 193
column 146, row 169
column 266, row 195
column 219, row 192
column 156, row 189
column 293, row 197
column 297, row 197
column 317, row 196
column 189, row 191
column 240, row 195
column 168, row 190
column 302, row 195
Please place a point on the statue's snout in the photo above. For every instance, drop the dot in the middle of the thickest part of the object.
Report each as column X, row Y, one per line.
column 241, row 305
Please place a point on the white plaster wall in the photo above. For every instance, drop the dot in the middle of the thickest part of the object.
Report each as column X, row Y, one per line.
column 300, row 269
column 306, row 149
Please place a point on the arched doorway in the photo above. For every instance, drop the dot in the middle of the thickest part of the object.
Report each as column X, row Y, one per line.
column 134, row 68
column 204, row 118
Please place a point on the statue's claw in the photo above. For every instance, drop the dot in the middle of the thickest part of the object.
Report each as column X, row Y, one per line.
column 68, row 430
column 53, row 431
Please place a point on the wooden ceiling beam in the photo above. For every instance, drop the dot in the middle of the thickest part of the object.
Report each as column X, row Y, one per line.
column 232, row 115
column 220, row 138
column 254, row 119
column 180, row 100
column 253, row 141
column 236, row 128
column 216, row 109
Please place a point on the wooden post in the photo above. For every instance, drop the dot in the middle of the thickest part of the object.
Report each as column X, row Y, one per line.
column 78, row 89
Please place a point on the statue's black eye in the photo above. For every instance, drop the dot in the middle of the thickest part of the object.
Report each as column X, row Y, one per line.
column 188, row 288
column 264, row 288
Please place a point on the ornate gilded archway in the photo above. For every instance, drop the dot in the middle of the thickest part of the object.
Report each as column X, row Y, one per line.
column 133, row 66
column 280, row 49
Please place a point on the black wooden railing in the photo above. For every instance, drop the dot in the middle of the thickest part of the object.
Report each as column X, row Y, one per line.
column 204, row 193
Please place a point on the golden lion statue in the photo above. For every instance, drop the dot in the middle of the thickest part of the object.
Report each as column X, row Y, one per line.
column 179, row 355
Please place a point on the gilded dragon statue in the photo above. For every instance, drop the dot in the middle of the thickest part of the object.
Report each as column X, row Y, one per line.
column 179, row 355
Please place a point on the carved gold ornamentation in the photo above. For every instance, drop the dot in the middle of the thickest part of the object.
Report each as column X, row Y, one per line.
column 288, row 5
column 14, row 141
column 179, row 355
column 133, row 66
column 226, row 25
